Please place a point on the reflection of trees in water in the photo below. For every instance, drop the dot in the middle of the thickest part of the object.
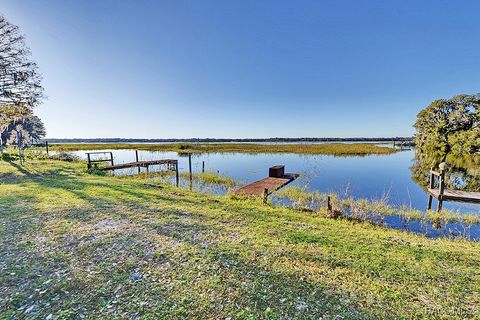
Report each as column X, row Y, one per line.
column 448, row 130
column 461, row 174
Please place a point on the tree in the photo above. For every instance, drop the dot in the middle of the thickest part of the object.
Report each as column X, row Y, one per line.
column 449, row 127
column 20, row 82
column 27, row 131
column 448, row 130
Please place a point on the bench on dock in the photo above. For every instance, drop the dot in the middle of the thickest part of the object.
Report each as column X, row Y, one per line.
column 442, row 194
column 277, row 178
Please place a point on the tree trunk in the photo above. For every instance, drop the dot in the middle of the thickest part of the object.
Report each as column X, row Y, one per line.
column 1, row 139
column 19, row 144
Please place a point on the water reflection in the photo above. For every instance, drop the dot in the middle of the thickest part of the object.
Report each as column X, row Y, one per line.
column 461, row 173
column 400, row 178
column 398, row 175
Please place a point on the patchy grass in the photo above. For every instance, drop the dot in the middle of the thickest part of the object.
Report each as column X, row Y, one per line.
column 337, row 149
column 75, row 245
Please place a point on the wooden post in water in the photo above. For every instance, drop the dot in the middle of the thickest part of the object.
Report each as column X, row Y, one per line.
column 265, row 195
column 46, row 146
column 203, row 166
column 431, row 186
column 176, row 172
column 190, row 169
column 111, row 158
column 89, row 165
column 441, row 190
column 136, row 160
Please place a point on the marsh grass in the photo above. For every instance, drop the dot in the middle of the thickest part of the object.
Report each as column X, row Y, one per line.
column 206, row 182
column 337, row 149
column 300, row 199
column 377, row 210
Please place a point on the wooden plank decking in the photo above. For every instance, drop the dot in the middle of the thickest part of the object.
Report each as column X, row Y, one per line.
column 139, row 164
column 456, row 195
column 257, row 188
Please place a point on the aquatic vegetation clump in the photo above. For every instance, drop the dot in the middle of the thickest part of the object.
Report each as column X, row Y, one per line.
column 205, row 182
column 302, row 199
column 365, row 209
column 446, row 222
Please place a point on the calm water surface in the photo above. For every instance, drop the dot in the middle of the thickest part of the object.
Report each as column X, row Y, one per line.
column 361, row 177
column 370, row 177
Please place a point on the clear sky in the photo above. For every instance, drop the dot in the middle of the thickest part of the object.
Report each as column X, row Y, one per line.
column 240, row 69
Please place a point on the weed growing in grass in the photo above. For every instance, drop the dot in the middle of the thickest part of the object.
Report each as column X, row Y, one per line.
column 36, row 154
column 64, row 156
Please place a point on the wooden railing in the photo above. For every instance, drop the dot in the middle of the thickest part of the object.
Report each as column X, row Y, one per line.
column 90, row 161
column 434, row 175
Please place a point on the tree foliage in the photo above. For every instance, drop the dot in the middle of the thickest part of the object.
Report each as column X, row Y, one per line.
column 25, row 132
column 449, row 130
column 449, row 127
column 20, row 87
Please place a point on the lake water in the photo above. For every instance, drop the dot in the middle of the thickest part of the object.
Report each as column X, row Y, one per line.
column 368, row 177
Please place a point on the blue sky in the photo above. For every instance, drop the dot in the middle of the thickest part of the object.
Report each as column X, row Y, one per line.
column 240, row 69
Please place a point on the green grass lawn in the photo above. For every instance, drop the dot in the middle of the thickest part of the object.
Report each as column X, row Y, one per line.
column 75, row 246
column 338, row 149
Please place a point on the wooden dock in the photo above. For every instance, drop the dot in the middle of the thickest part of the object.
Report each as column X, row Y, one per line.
column 142, row 164
column 456, row 195
column 276, row 180
column 442, row 194
column 172, row 165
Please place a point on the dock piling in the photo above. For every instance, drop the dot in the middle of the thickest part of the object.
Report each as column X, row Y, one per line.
column 89, row 165
column 111, row 158
column 431, row 186
column 136, row 159
column 190, row 169
column 176, row 172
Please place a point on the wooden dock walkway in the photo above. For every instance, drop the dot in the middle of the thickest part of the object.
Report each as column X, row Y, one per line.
column 276, row 180
column 172, row 165
column 442, row 194
column 143, row 164
column 456, row 195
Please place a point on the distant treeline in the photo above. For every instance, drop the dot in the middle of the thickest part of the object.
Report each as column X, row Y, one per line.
column 192, row 140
